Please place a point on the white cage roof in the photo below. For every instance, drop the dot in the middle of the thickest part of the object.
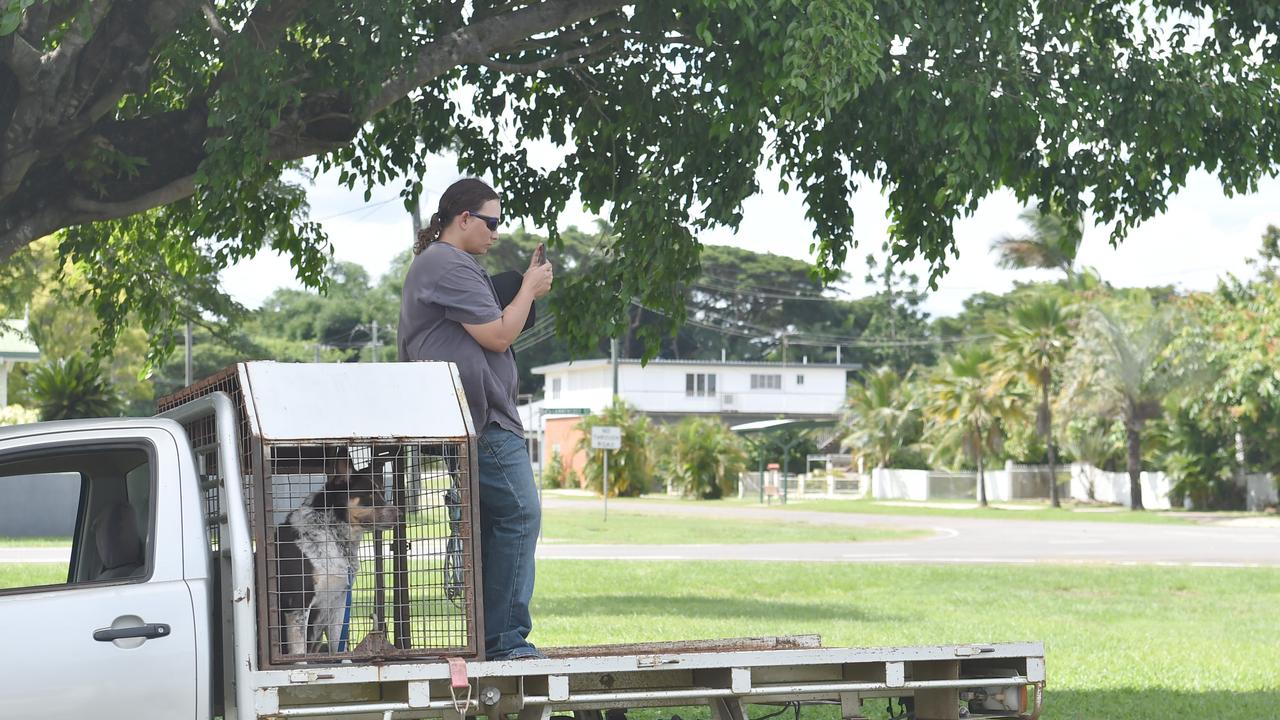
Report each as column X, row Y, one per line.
column 365, row 401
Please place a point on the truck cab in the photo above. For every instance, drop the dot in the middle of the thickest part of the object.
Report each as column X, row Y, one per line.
column 128, row 629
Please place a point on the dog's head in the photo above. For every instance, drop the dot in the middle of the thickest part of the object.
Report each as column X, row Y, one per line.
column 358, row 498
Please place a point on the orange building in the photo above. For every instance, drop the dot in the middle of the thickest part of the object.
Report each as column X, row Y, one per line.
column 563, row 433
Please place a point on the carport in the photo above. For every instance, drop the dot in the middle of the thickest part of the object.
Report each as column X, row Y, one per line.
column 758, row 433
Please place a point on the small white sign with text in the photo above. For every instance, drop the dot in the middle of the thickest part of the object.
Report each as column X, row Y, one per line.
column 606, row 438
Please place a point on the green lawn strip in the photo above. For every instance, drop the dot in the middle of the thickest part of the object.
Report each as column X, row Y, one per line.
column 18, row 575
column 1141, row 643
column 11, row 542
column 633, row 527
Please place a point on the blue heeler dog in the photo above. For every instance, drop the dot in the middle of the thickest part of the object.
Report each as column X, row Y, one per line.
column 317, row 551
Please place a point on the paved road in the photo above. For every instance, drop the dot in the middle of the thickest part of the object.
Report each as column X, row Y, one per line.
column 956, row 540
column 952, row 540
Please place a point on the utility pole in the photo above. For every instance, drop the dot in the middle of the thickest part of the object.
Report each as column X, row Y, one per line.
column 188, row 343
column 373, row 345
column 613, row 358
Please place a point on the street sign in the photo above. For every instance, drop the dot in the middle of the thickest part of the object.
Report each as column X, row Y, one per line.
column 566, row 411
column 606, row 438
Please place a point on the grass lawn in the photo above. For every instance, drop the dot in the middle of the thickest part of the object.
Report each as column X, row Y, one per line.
column 1132, row 643
column 8, row 542
column 1120, row 643
column 633, row 528
column 15, row 575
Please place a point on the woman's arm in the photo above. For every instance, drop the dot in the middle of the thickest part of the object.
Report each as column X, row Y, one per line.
column 497, row 336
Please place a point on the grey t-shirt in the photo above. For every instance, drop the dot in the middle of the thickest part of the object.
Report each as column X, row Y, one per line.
column 446, row 287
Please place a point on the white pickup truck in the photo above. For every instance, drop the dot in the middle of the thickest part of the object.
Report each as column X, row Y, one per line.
column 167, row 608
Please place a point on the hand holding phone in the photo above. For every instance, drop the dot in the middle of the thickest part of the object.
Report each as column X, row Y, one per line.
column 540, row 254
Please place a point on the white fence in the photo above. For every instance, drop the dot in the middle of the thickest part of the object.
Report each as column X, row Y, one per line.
column 1090, row 483
column 1260, row 492
column 1078, row 481
column 834, row 484
column 1014, row 482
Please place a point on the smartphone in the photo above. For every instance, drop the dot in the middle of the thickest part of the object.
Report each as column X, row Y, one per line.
column 540, row 255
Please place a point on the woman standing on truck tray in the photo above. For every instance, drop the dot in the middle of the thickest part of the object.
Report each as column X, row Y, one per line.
column 450, row 311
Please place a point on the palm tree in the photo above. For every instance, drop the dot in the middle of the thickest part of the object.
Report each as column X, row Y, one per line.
column 880, row 416
column 73, row 387
column 1117, row 368
column 966, row 407
column 1052, row 244
column 706, row 457
column 1033, row 345
column 629, row 467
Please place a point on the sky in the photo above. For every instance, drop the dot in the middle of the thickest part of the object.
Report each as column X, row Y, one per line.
column 1203, row 236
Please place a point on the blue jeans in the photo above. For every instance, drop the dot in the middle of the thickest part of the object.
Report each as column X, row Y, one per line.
column 510, row 518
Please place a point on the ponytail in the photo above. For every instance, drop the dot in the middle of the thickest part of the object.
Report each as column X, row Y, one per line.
column 465, row 195
column 428, row 234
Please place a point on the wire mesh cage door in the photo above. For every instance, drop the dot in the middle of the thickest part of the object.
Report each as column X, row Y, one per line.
column 371, row 551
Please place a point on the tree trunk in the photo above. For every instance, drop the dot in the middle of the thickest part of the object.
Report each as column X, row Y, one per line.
column 982, row 478
column 1053, row 454
column 1133, row 431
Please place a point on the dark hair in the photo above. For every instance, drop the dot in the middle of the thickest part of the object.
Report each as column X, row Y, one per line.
column 465, row 195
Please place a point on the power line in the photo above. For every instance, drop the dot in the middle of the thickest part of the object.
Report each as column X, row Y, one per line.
column 767, row 295
column 543, row 329
column 817, row 340
column 380, row 203
column 769, row 288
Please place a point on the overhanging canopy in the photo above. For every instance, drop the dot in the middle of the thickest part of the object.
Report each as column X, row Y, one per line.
column 761, row 426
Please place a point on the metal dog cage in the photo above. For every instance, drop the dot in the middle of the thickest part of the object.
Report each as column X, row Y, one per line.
column 361, row 487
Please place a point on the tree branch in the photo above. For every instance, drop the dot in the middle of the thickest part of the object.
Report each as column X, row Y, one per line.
column 264, row 29
column 572, row 36
column 79, row 34
column 82, row 79
column 268, row 21
column 554, row 61
column 215, row 25
column 474, row 43
column 24, row 60
column 44, row 193
column 88, row 209
column 52, row 14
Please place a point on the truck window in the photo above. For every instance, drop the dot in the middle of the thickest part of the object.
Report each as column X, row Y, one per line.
column 81, row 516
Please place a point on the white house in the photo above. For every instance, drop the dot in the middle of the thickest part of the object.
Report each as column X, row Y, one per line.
column 700, row 387
column 15, row 346
column 668, row 390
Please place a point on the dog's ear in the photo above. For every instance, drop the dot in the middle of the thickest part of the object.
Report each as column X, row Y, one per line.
column 342, row 468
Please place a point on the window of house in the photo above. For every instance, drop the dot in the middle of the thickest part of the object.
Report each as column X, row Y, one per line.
column 699, row 384
column 766, row 382
column 555, row 388
column 97, row 502
column 799, row 379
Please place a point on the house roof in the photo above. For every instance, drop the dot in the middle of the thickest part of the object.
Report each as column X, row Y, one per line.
column 15, row 341
column 767, row 425
column 604, row 362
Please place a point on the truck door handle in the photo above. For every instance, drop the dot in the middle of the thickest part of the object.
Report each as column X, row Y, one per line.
column 149, row 631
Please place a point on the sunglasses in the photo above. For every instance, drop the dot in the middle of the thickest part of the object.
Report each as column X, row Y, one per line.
column 489, row 221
